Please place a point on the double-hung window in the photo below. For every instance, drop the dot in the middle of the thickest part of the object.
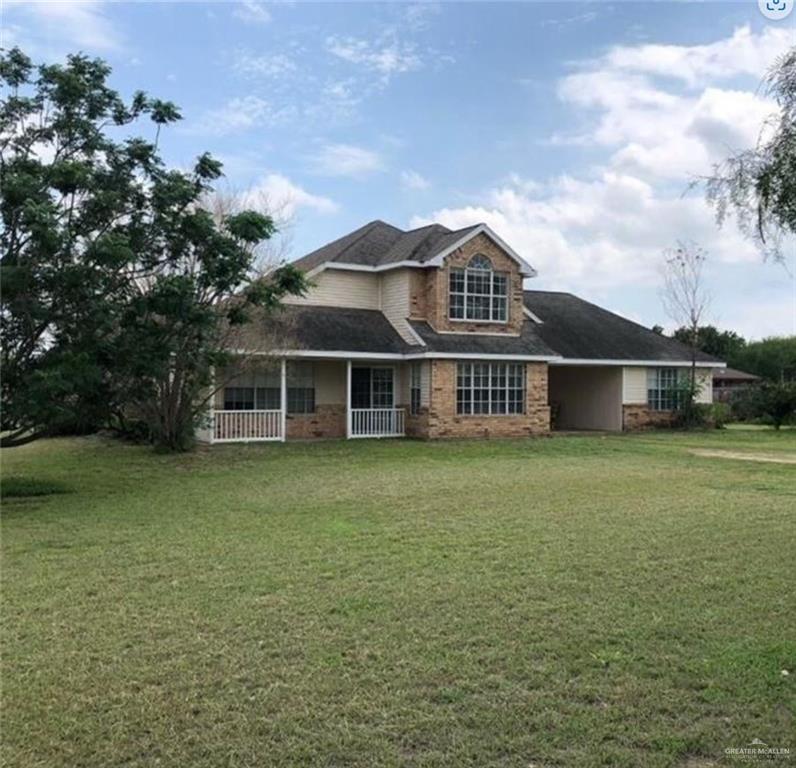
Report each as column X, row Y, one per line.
column 662, row 388
column 490, row 388
column 300, row 387
column 414, row 388
column 478, row 293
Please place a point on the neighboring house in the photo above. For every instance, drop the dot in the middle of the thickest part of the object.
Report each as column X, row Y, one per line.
column 730, row 380
column 429, row 333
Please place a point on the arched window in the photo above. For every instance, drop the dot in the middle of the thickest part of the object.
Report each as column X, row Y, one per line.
column 477, row 292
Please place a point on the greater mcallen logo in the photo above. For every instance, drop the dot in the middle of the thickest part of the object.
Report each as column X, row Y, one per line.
column 757, row 749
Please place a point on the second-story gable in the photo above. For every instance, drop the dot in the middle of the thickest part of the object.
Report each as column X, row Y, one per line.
column 462, row 281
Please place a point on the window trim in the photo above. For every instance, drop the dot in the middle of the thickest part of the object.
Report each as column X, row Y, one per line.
column 506, row 389
column 464, row 293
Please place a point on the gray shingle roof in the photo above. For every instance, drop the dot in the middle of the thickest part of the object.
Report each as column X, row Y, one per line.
column 379, row 243
column 579, row 330
column 322, row 329
column 527, row 343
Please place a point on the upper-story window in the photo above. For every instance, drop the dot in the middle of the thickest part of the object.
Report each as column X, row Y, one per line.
column 479, row 293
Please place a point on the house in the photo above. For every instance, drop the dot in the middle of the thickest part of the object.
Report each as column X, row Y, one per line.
column 730, row 380
column 430, row 333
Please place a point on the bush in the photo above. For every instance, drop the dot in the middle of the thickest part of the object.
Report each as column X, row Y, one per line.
column 767, row 403
column 720, row 415
column 15, row 487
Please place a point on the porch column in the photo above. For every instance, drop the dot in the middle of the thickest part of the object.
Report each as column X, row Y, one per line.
column 348, row 399
column 211, row 408
column 283, row 400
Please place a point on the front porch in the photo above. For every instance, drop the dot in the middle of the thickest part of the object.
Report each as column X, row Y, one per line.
column 316, row 398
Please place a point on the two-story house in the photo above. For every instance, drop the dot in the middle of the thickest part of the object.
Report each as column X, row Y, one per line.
column 429, row 333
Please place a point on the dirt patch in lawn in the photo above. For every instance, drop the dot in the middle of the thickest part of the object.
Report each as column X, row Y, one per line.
column 739, row 455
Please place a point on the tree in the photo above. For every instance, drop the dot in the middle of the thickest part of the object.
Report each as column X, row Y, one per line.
column 725, row 345
column 759, row 185
column 686, row 301
column 774, row 359
column 773, row 402
column 118, row 287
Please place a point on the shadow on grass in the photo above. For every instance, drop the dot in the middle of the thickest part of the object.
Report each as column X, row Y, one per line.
column 23, row 487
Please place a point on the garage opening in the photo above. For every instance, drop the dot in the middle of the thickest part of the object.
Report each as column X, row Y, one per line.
column 585, row 397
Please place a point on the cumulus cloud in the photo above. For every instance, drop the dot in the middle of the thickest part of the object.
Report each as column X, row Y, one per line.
column 662, row 114
column 346, row 160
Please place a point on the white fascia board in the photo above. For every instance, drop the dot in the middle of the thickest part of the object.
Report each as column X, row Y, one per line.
column 525, row 268
column 476, row 356
column 635, row 363
column 365, row 267
column 419, row 355
column 535, row 318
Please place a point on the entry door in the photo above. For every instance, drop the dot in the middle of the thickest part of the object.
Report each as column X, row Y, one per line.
column 372, row 387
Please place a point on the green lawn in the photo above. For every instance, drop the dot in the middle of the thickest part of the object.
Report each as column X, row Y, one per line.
column 577, row 601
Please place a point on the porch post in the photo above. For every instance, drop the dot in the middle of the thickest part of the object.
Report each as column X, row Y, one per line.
column 211, row 407
column 348, row 400
column 283, row 400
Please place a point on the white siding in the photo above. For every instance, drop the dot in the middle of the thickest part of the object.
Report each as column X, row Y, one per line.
column 395, row 301
column 337, row 288
column 705, row 377
column 634, row 386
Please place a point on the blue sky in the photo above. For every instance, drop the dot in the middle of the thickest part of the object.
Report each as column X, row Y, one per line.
column 571, row 128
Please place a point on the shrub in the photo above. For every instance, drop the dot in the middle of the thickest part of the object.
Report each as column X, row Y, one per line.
column 720, row 415
column 769, row 403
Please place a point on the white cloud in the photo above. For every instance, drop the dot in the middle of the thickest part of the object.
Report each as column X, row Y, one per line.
column 237, row 115
column 78, row 24
column 252, row 12
column 661, row 115
column 287, row 197
column 386, row 56
column 606, row 231
column 264, row 65
column 413, row 180
column 346, row 160
column 744, row 53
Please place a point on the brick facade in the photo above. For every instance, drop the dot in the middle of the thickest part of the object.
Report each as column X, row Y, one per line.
column 328, row 421
column 429, row 290
column 636, row 417
column 443, row 420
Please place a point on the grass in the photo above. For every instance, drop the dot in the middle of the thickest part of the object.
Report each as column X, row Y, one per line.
column 13, row 487
column 578, row 601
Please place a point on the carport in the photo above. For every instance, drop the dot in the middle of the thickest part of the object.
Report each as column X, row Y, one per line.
column 585, row 397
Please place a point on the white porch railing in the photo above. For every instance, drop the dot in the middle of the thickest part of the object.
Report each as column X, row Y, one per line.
column 243, row 426
column 377, row 422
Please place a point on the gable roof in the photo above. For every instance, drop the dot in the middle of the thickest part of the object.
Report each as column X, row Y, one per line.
column 579, row 330
column 733, row 374
column 379, row 246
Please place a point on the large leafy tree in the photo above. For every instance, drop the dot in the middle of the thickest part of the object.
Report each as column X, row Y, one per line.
column 118, row 287
column 725, row 345
column 759, row 185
